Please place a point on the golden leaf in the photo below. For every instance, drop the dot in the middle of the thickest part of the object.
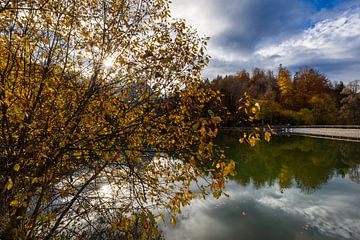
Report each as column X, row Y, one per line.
column 9, row 184
column 267, row 136
column 35, row 180
column 17, row 167
column 252, row 141
column 173, row 220
column 202, row 131
column 14, row 203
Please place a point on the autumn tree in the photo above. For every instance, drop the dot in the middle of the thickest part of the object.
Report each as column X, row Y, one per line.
column 309, row 82
column 309, row 98
column 350, row 107
column 103, row 125
column 284, row 82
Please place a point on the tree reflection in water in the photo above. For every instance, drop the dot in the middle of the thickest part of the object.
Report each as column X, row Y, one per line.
column 304, row 162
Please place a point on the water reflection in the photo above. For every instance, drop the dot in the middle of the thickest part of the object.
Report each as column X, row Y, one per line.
column 294, row 188
column 306, row 162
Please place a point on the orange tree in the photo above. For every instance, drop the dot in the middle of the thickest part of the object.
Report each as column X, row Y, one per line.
column 103, row 118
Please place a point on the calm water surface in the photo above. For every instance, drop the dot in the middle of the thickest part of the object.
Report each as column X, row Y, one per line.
column 292, row 188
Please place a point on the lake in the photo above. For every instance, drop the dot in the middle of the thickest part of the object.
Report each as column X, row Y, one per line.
column 291, row 188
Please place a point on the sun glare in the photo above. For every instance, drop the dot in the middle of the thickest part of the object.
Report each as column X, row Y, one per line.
column 108, row 62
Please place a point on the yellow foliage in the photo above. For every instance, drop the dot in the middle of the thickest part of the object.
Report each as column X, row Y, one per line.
column 76, row 128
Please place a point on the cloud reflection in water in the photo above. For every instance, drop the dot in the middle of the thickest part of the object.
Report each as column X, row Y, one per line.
column 266, row 213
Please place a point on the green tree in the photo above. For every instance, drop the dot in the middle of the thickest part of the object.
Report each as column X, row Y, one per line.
column 270, row 112
column 102, row 116
column 323, row 107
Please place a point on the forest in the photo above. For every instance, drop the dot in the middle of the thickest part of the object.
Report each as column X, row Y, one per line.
column 306, row 97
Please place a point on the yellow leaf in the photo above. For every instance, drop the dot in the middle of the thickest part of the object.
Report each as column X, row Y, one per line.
column 202, row 131
column 173, row 220
column 267, row 136
column 218, row 165
column 35, row 180
column 216, row 119
column 9, row 184
column 252, row 141
column 160, row 217
column 17, row 167
column 230, row 168
column 14, row 203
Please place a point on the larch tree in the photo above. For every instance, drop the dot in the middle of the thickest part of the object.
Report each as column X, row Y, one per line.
column 104, row 124
column 284, row 82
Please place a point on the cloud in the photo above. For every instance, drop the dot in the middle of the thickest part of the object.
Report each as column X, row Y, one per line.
column 333, row 215
column 202, row 15
column 249, row 210
column 331, row 45
column 258, row 21
column 256, row 33
column 242, row 24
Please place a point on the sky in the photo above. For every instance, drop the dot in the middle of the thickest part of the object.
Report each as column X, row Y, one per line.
column 244, row 34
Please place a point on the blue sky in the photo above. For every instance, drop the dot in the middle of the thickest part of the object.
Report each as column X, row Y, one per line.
column 324, row 34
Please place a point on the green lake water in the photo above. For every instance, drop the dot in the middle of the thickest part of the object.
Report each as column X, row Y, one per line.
column 291, row 188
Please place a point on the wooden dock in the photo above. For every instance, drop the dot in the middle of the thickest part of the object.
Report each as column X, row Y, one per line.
column 335, row 132
column 349, row 133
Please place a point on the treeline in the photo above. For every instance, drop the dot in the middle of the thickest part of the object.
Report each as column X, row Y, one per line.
column 304, row 98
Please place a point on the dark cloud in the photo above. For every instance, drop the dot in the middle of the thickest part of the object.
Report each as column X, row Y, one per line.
column 257, row 21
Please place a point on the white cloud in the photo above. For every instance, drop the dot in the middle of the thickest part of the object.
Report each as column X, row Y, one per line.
column 333, row 39
column 201, row 15
column 247, row 34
